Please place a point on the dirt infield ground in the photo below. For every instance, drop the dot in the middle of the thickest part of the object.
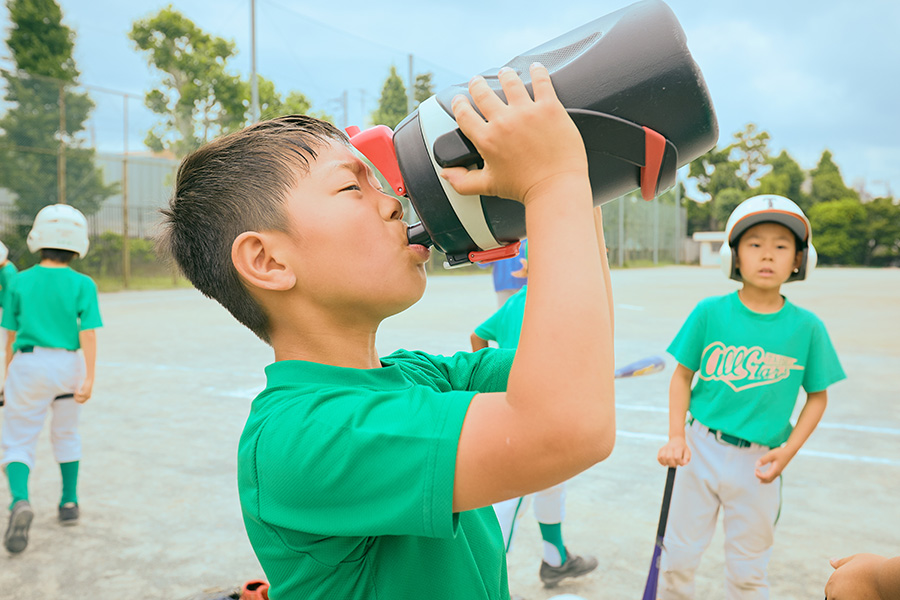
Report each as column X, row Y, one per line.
column 176, row 375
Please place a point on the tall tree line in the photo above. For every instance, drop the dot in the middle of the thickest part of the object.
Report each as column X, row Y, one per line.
column 46, row 114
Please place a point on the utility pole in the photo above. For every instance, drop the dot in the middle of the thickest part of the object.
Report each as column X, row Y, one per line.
column 678, row 242
column 621, row 233
column 61, row 155
column 362, row 107
column 655, row 230
column 254, row 85
column 410, row 96
column 126, row 249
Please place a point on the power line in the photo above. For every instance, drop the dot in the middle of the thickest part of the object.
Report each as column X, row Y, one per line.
column 355, row 36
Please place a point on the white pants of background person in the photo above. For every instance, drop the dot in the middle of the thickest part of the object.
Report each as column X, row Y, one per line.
column 720, row 475
column 549, row 508
column 33, row 380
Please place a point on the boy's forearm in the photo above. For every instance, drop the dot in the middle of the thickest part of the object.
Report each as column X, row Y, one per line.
column 10, row 340
column 88, row 340
column 604, row 262
column 809, row 418
column 679, row 402
column 564, row 362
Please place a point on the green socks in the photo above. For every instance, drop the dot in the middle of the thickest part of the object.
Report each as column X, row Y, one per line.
column 554, row 549
column 69, row 473
column 17, row 473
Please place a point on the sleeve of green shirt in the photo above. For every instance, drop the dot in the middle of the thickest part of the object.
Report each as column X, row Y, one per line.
column 488, row 329
column 823, row 368
column 89, row 307
column 10, row 308
column 687, row 347
column 484, row 371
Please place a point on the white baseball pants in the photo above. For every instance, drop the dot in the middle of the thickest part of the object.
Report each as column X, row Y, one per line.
column 33, row 380
column 720, row 475
column 549, row 508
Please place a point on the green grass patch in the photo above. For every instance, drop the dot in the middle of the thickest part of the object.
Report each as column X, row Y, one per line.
column 141, row 282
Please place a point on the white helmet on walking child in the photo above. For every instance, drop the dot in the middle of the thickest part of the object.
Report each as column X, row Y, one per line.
column 768, row 208
column 61, row 227
column 4, row 253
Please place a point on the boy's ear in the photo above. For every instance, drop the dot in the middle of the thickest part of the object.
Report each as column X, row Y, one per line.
column 255, row 256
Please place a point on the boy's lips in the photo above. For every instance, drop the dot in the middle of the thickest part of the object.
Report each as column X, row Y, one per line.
column 421, row 252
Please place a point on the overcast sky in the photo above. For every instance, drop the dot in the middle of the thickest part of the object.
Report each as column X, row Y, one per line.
column 815, row 74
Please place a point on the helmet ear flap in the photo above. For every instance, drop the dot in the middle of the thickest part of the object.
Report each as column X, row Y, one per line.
column 728, row 261
column 807, row 263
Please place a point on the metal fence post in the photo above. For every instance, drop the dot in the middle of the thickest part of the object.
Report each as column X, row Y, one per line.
column 126, row 248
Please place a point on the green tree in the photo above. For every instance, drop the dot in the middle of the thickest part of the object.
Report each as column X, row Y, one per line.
column 423, row 89
column 392, row 106
column 882, row 232
column 839, row 231
column 751, row 151
column 827, row 182
column 785, row 179
column 41, row 47
column 728, row 176
column 718, row 177
column 272, row 105
column 198, row 99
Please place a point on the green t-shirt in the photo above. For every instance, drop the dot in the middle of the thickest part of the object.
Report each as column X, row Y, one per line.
column 346, row 480
column 6, row 273
column 505, row 325
column 48, row 306
column 751, row 366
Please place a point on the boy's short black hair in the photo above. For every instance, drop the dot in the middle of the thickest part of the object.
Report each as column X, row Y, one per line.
column 57, row 255
column 237, row 183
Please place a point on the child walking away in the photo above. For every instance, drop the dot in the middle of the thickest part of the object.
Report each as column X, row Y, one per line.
column 365, row 476
column 50, row 316
column 752, row 351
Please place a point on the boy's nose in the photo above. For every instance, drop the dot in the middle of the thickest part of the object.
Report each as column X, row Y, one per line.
column 391, row 208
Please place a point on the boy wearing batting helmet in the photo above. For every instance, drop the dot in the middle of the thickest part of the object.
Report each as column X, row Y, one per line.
column 373, row 477
column 752, row 351
column 50, row 316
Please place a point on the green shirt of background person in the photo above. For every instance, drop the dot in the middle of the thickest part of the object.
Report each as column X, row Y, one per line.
column 49, row 307
column 7, row 270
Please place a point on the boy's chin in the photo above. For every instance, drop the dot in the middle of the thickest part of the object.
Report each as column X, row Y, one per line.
column 404, row 303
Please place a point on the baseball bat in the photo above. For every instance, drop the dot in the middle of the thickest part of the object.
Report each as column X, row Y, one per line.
column 653, row 576
column 645, row 366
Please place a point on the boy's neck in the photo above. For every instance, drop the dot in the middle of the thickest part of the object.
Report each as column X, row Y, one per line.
column 761, row 300
column 53, row 264
column 326, row 342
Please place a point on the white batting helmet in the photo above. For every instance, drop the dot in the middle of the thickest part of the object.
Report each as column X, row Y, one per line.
column 768, row 208
column 59, row 226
